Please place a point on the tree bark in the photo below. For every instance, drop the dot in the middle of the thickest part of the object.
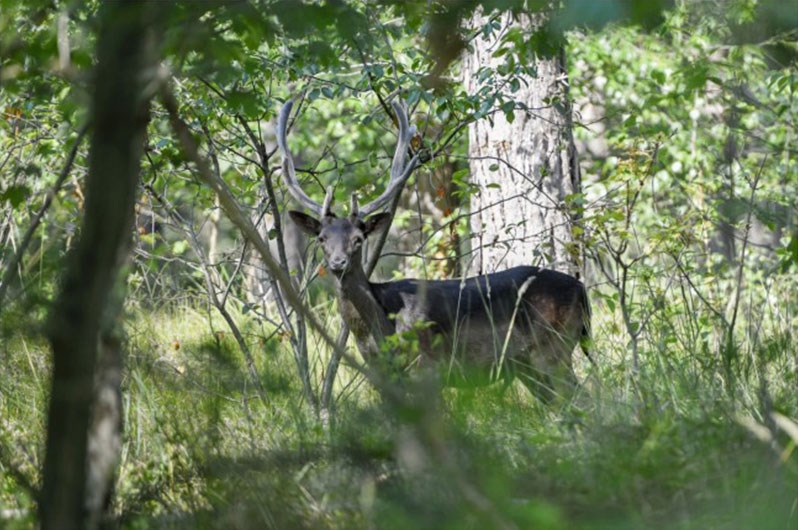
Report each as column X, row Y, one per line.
column 120, row 113
column 105, row 429
column 525, row 169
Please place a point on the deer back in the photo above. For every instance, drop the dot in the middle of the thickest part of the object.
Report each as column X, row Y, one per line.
column 484, row 317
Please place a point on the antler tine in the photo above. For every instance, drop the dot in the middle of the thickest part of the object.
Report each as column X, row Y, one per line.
column 289, row 172
column 399, row 171
column 403, row 139
column 353, row 206
column 328, row 199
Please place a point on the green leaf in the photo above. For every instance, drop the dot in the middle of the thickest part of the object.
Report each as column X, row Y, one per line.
column 244, row 103
column 179, row 247
column 610, row 304
column 15, row 195
column 508, row 107
column 790, row 253
column 460, row 174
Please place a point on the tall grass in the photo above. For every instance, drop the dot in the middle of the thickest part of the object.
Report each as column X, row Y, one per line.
column 678, row 444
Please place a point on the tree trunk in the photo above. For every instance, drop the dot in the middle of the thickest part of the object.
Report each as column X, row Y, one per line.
column 524, row 169
column 105, row 429
column 120, row 113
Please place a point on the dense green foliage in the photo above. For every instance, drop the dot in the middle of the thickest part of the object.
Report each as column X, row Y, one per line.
column 686, row 125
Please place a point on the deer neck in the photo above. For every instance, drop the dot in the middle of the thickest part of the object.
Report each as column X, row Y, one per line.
column 361, row 311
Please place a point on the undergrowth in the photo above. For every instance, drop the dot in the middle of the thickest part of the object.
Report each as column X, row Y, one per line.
column 674, row 446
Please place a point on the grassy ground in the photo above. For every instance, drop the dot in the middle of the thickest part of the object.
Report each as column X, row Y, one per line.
column 683, row 443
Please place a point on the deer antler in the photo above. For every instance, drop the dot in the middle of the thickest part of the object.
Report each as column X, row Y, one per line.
column 353, row 206
column 400, row 171
column 289, row 172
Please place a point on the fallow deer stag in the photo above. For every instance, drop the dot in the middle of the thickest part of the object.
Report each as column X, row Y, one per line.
column 524, row 321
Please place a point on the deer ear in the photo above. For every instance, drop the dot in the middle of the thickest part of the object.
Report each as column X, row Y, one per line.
column 308, row 224
column 377, row 222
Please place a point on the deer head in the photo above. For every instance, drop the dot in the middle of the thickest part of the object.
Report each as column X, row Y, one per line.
column 342, row 238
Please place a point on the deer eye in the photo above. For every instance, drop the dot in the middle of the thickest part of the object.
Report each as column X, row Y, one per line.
column 321, row 239
column 357, row 241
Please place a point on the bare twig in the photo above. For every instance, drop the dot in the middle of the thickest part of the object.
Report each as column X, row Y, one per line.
column 299, row 331
column 230, row 206
column 210, row 286
column 48, row 200
column 741, row 264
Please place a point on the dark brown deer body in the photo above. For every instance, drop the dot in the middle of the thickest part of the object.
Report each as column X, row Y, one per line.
column 523, row 321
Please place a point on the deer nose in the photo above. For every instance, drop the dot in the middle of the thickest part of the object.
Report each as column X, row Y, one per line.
column 338, row 263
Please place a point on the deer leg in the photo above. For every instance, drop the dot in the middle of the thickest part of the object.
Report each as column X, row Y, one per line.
column 548, row 372
column 506, row 383
column 538, row 383
column 533, row 375
column 564, row 378
column 564, row 347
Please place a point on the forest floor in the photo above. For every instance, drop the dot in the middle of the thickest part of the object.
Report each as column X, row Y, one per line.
column 675, row 446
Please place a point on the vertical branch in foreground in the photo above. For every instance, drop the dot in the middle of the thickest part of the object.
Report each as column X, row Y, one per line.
column 730, row 349
column 190, row 149
column 297, row 329
column 335, row 358
column 120, row 113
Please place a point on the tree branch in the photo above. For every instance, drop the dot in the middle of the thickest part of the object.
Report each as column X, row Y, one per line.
column 8, row 276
